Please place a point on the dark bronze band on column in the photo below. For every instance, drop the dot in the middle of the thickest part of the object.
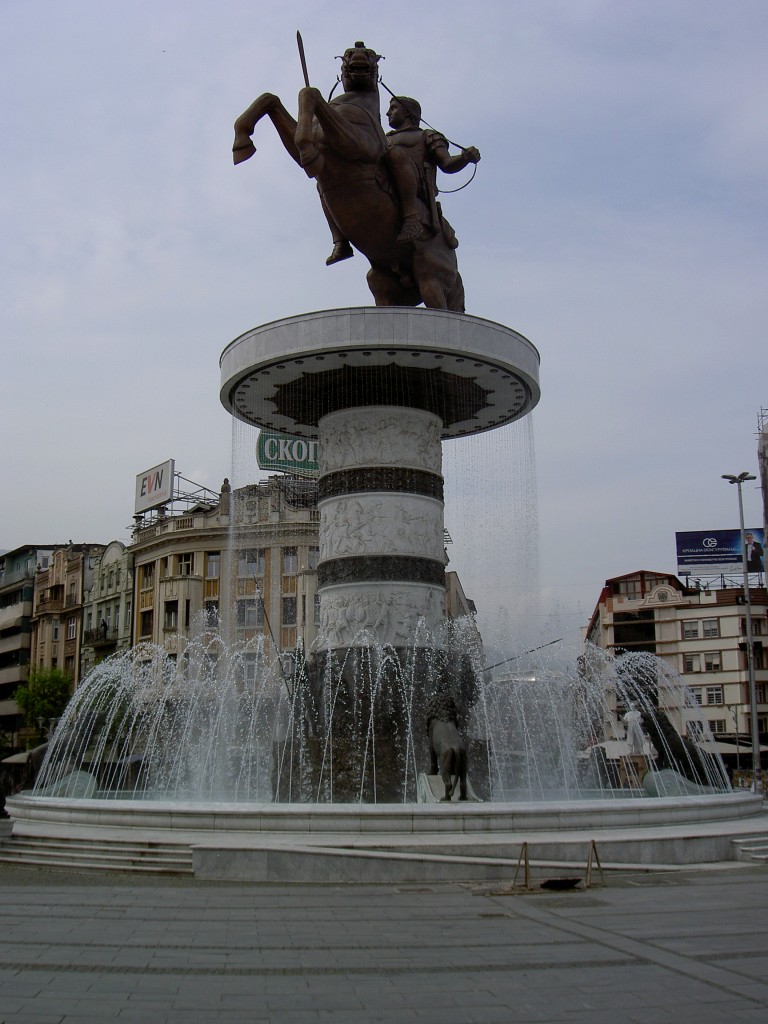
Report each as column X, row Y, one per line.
column 380, row 478
column 381, row 569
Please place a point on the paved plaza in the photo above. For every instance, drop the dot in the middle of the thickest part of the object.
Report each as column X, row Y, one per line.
column 648, row 948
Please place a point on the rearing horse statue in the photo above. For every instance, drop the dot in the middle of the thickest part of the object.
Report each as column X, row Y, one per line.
column 368, row 186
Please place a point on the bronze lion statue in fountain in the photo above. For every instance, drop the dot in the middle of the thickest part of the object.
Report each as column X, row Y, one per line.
column 448, row 751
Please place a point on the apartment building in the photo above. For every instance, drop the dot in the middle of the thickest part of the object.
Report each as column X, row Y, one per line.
column 57, row 614
column 108, row 607
column 255, row 552
column 700, row 632
column 17, row 575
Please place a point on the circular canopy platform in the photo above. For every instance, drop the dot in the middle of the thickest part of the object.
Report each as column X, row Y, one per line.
column 474, row 374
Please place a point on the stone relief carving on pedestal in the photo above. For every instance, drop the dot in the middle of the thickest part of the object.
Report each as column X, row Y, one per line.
column 354, row 616
column 398, row 525
column 388, row 438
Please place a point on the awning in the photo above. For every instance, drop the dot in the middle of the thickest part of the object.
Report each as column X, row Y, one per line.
column 25, row 755
column 733, row 748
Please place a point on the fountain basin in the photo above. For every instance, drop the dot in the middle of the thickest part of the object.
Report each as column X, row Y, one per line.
column 333, row 842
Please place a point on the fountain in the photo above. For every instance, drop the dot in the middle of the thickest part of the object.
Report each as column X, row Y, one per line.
column 268, row 778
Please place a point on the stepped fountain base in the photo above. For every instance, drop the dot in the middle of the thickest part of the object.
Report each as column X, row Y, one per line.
column 407, row 842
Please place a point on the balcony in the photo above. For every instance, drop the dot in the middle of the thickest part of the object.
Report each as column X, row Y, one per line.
column 16, row 577
column 13, row 614
column 13, row 674
column 100, row 637
column 47, row 605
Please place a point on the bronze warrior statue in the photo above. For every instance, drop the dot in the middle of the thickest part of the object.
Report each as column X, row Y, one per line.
column 377, row 191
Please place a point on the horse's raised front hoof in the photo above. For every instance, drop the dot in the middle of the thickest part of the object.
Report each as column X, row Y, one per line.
column 243, row 152
column 340, row 251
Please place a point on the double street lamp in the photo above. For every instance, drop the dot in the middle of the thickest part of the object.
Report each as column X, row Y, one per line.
column 756, row 772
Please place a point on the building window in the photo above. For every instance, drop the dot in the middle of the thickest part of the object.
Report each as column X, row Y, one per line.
column 185, row 564
column 760, row 693
column 710, row 627
column 696, row 693
column 694, row 729
column 251, row 563
column 289, row 610
column 145, row 625
column 757, row 627
column 691, row 663
column 211, row 610
column 317, row 609
column 313, row 557
column 71, row 628
column 290, row 562
column 171, row 617
column 631, row 587
column 711, row 661
column 252, row 665
column 717, row 725
column 55, row 629
column 147, row 576
column 690, row 630
column 714, row 695
column 212, row 565
column 250, row 614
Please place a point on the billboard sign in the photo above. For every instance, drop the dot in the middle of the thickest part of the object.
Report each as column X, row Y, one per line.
column 718, row 551
column 288, row 454
column 154, row 487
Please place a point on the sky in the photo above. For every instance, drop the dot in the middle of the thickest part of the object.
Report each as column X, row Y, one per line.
column 617, row 220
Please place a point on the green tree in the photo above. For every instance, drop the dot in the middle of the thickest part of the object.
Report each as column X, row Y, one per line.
column 45, row 695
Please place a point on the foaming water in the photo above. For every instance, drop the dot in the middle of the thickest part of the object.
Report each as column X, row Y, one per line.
column 224, row 723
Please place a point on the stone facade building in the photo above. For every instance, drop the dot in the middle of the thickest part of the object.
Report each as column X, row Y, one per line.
column 108, row 606
column 701, row 633
column 57, row 616
column 255, row 551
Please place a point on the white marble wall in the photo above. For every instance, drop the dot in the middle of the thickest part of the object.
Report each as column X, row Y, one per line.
column 382, row 436
column 381, row 523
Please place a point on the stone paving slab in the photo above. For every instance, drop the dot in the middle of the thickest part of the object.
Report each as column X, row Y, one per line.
column 642, row 949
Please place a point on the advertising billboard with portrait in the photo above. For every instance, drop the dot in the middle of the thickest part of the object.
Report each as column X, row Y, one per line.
column 719, row 551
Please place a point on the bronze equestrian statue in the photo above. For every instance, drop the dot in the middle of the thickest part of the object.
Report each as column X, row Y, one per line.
column 377, row 191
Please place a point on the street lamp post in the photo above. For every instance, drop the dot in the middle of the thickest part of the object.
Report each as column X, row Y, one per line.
column 756, row 770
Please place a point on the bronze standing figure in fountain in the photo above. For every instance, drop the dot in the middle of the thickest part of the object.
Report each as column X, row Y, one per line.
column 377, row 190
